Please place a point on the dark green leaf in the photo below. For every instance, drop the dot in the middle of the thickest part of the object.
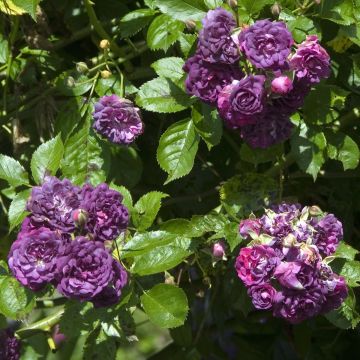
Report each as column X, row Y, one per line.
column 339, row 11
column 12, row 172
column 171, row 68
column 163, row 32
column 99, row 346
column 15, row 300
column 253, row 7
column 17, row 211
column 258, row 156
column 162, row 96
column 166, row 305
column 300, row 27
column 73, row 84
column 182, row 9
column 28, row 5
column 135, row 21
column 177, row 149
column 46, row 159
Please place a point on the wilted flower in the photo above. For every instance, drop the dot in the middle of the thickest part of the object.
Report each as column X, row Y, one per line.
column 85, row 270
column 311, row 62
column 267, row 44
column 249, row 225
column 107, row 216
column 215, row 42
column 33, row 257
column 117, row 119
column 52, row 204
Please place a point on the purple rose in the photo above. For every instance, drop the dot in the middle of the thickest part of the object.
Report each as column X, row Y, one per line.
column 328, row 234
column 295, row 275
column 33, row 257
column 239, row 102
column 292, row 209
column 110, row 295
column 85, row 270
column 206, row 81
column 215, row 42
column 281, row 85
column 296, row 306
column 262, row 296
column 255, row 265
column 117, row 119
column 290, row 102
column 311, row 62
column 249, row 225
column 9, row 345
column 52, row 204
column 336, row 292
column 270, row 128
column 266, row 44
column 107, row 217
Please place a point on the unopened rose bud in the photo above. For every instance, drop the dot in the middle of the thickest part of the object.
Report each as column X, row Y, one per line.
column 276, row 9
column 57, row 336
column 104, row 44
column 80, row 217
column 232, row 3
column 249, row 226
column 317, row 2
column 218, row 250
column 105, row 74
column 81, row 67
column 190, row 25
column 315, row 210
column 70, row 82
column 281, row 85
column 169, row 279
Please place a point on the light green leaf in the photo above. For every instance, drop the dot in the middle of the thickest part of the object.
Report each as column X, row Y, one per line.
column 300, row 27
column 345, row 251
column 82, row 160
column 253, row 7
column 162, row 258
column 207, row 124
column 309, row 149
column 166, row 305
column 343, row 148
column 19, row 7
column 135, row 21
column 182, row 9
column 146, row 209
column 17, row 211
column 351, row 272
column 177, row 149
column 162, row 96
column 141, row 243
column 46, row 159
column 112, row 85
column 213, row 4
column 4, row 50
column 12, row 172
column 342, row 12
column 187, row 41
column 163, row 32
column 170, row 68
column 15, row 300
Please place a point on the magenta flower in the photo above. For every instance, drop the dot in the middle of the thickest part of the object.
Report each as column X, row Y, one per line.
column 281, row 85
column 295, row 275
column 262, row 296
column 249, row 225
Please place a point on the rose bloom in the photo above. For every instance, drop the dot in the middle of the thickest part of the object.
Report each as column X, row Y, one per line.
column 262, row 296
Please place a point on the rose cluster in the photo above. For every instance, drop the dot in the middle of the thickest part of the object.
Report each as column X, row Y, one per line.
column 285, row 268
column 253, row 76
column 66, row 239
column 117, row 119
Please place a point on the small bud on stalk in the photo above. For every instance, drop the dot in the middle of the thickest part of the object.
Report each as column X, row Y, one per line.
column 104, row 44
column 70, row 82
column 190, row 25
column 81, row 67
column 105, row 74
column 232, row 3
column 80, row 217
column 276, row 9
column 315, row 210
column 219, row 250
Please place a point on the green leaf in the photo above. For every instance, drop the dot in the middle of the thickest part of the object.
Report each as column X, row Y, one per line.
column 127, row 198
column 15, row 300
column 213, row 4
column 243, row 194
column 46, row 159
column 258, row 156
column 82, row 160
column 163, row 32
column 112, row 85
column 345, row 251
column 300, row 27
column 232, row 236
column 187, row 41
column 345, row 316
column 12, row 171
column 71, row 83
column 99, row 346
column 17, row 211
column 207, row 124
column 162, row 96
column 74, row 322
column 177, row 149
column 146, row 209
column 166, row 305
column 342, row 12
column 201, row 224
column 351, row 272
column 177, row 226
column 28, row 5
column 182, row 9
column 343, row 148
column 141, row 243
column 4, row 50
column 162, row 258
column 309, row 149
column 170, row 67
column 253, row 7
column 135, row 21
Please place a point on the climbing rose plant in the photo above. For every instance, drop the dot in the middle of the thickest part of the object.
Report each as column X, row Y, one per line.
column 154, row 157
